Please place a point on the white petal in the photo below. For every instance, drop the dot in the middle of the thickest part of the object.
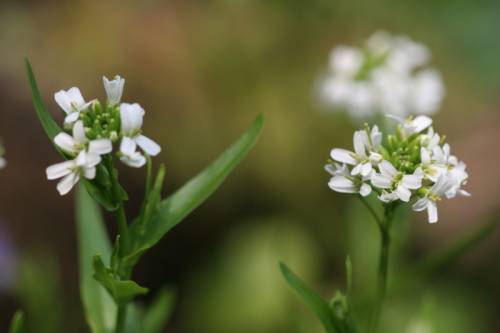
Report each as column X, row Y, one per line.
column 387, row 169
column 72, row 117
column 419, row 173
column 432, row 211
column 357, row 169
column 420, row 205
column 89, row 173
column 148, row 145
column 463, row 193
column 397, row 119
column 403, row 192
column 79, row 132
column 63, row 99
column 375, row 158
column 92, row 160
column 76, row 96
column 452, row 160
column 81, row 159
column 127, row 146
column 446, row 151
column 343, row 156
column 425, row 157
column 136, row 160
column 439, row 155
column 66, row 142
column 343, row 185
column 100, row 146
column 388, row 197
column 131, row 117
column 59, row 170
column 365, row 170
column 85, row 106
column 359, row 146
column 67, row 183
column 381, row 181
column 365, row 190
column 422, row 122
column 412, row 181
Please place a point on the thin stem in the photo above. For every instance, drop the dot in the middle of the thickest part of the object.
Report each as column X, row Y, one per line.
column 371, row 210
column 383, row 268
column 121, row 318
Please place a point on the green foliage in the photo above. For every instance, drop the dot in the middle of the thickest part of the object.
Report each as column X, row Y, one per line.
column 17, row 323
column 159, row 312
column 146, row 231
column 318, row 305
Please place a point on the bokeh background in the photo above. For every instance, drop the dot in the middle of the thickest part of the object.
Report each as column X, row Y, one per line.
column 203, row 70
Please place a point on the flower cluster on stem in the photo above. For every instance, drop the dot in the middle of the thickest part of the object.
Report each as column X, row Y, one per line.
column 409, row 164
column 95, row 130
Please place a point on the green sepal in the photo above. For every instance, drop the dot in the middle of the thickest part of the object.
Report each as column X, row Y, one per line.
column 174, row 208
column 123, row 292
column 318, row 305
column 17, row 323
column 158, row 313
column 95, row 190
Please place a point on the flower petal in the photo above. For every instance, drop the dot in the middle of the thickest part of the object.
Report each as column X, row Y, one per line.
column 148, row 145
column 59, row 170
column 127, row 146
column 403, row 192
column 365, row 190
column 439, row 155
column 72, row 117
column 357, row 169
column 67, row 183
column 359, row 146
column 397, row 119
column 381, row 181
column 387, row 169
column 343, row 156
column 131, row 117
column 424, row 155
column 100, row 146
column 63, row 99
column 76, row 96
column 422, row 122
column 66, row 142
column 89, row 173
column 388, row 197
column 79, row 132
column 343, row 185
column 432, row 211
column 412, row 181
column 136, row 160
column 366, row 168
column 420, row 205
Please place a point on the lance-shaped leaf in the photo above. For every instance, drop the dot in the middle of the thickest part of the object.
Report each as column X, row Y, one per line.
column 173, row 209
column 17, row 323
column 95, row 187
column 123, row 292
column 318, row 305
column 158, row 313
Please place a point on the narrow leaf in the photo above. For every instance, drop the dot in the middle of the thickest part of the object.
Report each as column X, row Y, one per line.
column 160, row 310
column 17, row 323
column 192, row 194
column 318, row 305
column 96, row 190
column 123, row 292
column 350, row 306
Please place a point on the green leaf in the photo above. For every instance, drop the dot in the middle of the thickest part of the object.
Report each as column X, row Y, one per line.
column 100, row 309
column 157, row 315
column 114, row 255
column 96, row 190
column 350, row 307
column 192, row 194
column 17, row 323
column 427, row 266
column 123, row 292
column 318, row 305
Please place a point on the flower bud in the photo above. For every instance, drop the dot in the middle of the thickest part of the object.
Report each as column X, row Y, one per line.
column 96, row 107
column 90, row 133
column 97, row 127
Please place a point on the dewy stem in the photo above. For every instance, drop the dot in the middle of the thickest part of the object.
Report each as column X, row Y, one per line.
column 382, row 272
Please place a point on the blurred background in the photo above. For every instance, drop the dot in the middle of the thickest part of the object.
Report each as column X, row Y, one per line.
column 203, row 70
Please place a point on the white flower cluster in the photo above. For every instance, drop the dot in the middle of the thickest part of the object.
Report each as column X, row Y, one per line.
column 385, row 75
column 95, row 131
column 409, row 161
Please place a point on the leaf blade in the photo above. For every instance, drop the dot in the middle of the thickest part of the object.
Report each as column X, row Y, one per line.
column 159, row 312
column 17, row 323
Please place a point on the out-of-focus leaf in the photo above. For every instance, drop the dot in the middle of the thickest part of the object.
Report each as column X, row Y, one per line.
column 192, row 194
column 122, row 292
column 96, row 190
column 157, row 315
column 427, row 266
column 17, row 323
column 350, row 306
column 100, row 309
column 318, row 305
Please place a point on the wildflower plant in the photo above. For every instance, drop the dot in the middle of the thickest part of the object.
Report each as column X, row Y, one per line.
column 411, row 165
column 92, row 137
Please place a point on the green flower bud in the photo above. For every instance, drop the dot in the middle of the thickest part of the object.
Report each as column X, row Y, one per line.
column 90, row 133
column 86, row 120
column 97, row 107
column 395, row 160
column 398, row 133
column 385, row 154
column 97, row 126
column 422, row 191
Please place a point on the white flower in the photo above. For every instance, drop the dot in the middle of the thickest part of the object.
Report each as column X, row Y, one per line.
column 410, row 126
column 442, row 155
column 444, row 183
column 72, row 103
column 460, row 177
column 114, row 89
column 129, row 156
column 76, row 143
column 431, row 169
column 83, row 165
column 427, row 91
column 374, row 140
column 131, row 120
column 430, row 140
column 3, row 162
column 359, row 159
column 346, row 61
column 348, row 184
column 336, row 169
column 390, row 178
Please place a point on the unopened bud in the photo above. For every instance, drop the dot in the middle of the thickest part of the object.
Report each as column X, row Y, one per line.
column 97, row 107
column 90, row 133
column 97, row 127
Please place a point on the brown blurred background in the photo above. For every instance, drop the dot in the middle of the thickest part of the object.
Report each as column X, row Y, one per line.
column 203, row 70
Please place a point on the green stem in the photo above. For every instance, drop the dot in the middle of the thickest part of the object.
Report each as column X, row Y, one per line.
column 121, row 219
column 382, row 272
column 120, row 319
